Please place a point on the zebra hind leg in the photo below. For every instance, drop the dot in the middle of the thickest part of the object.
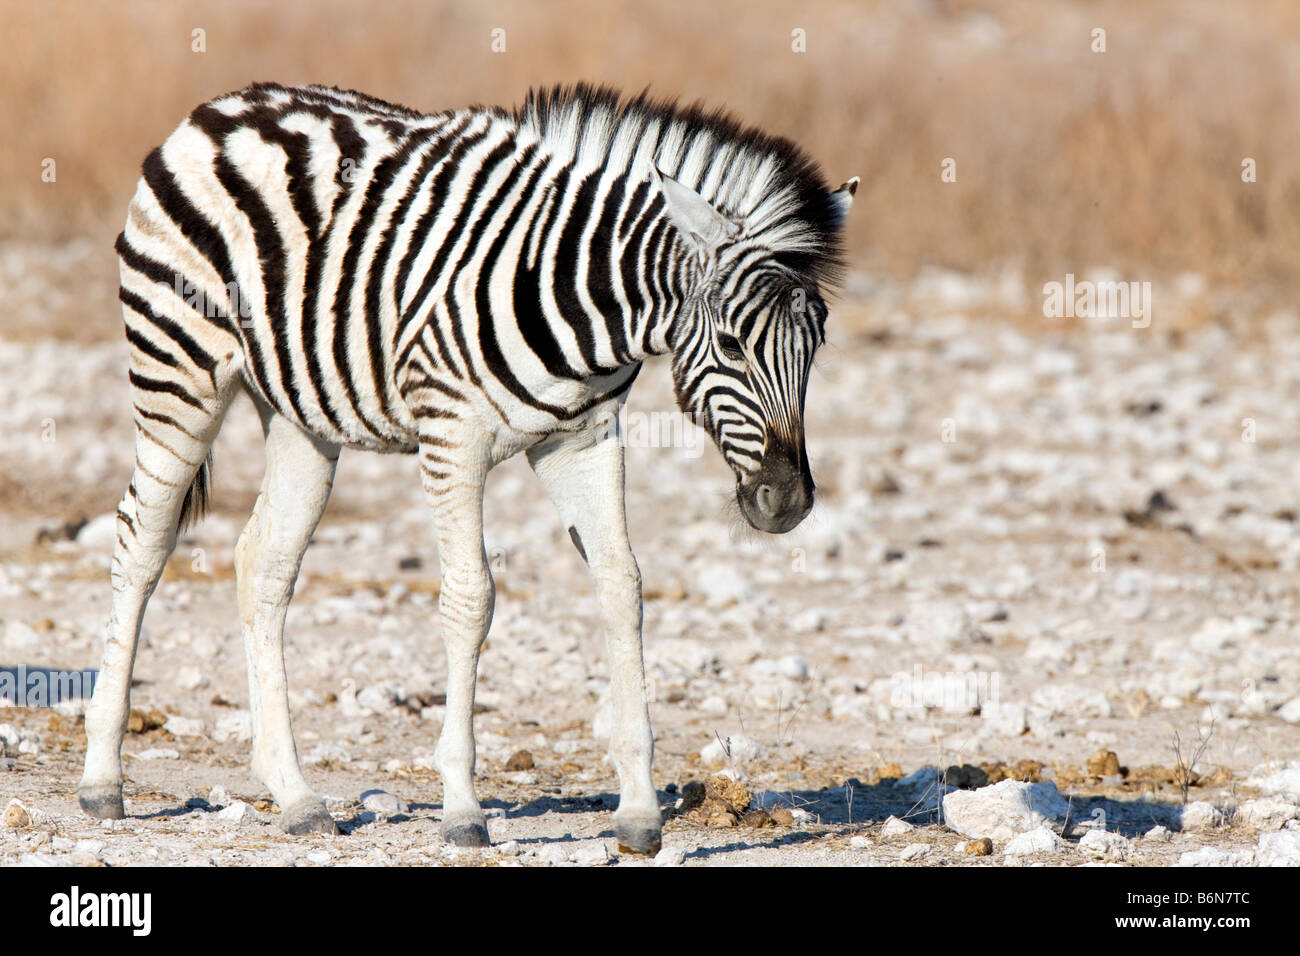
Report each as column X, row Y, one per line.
column 299, row 477
column 175, row 428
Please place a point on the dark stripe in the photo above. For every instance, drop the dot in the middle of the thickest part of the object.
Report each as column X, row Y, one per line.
column 600, row 276
column 197, row 355
column 566, row 270
column 527, row 296
column 157, row 385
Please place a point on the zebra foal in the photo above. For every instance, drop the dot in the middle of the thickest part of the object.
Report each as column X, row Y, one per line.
column 463, row 286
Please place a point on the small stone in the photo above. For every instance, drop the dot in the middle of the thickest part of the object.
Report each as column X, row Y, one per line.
column 965, row 777
column 1040, row 840
column 783, row 817
column 1103, row 845
column 895, row 827
column 860, row 842
column 16, row 816
column 729, row 750
column 1213, row 856
column 520, row 760
column 90, row 848
column 1103, row 763
column 1158, row 834
column 1290, row 711
column 670, row 856
column 185, row 727
column 220, row 797
column 237, row 812
column 509, row 848
column 756, row 819
column 1200, row 815
column 319, row 857
column 980, row 847
column 237, row 726
column 555, row 853
column 382, row 804
column 915, row 851
column 591, row 853
column 158, row 753
column 521, row 778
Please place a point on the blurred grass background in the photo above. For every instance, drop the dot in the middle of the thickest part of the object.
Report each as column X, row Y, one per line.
column 1066, row 159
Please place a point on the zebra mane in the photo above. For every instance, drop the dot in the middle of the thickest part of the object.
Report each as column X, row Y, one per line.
column 766, row 183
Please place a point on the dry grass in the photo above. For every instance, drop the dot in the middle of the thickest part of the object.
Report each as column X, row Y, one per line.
column 1066, row 159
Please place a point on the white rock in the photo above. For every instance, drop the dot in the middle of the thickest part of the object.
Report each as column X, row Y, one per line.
column 185, row 727
column 1158, row 834
column 1004, row 809
column 809, row 620
column 9, row 736
column 381, row 803
column 319, row 857
column 1267, row 813
column 89, row 847
column 555, row 853
column 1039, row 840
column 1280, row 849
column 191, row 678
column 1200, row 815
column 520, row 778
column 509, row 848
column 915, row 851
column 16, row 815
column 591, row 853
column 237, row 726
column 670, row 856
column 1213, row 856
column 895, row 827
column 99, row 534
column 158, row 753
column 237, row 812
column 220, row 797
column 1277, row 779
column 1103, row 845
column 793, row 667
column 1290, row 711
column 860, row 842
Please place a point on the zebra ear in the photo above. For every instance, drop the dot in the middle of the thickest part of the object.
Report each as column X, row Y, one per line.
column 692, row 214
column 842, row 201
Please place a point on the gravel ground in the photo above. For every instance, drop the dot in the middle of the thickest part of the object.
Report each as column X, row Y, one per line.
column 1039, row 553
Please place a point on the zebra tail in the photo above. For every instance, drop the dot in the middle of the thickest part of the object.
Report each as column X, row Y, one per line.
column 195, row 505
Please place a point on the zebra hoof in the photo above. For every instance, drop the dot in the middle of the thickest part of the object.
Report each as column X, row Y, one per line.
column 465, row 832
column 306, row 817
column 639, row 835
column 103, row 802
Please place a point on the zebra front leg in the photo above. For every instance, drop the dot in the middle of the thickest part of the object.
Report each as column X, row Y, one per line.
column 465, row 604
column 299, row 476
column 583, row 475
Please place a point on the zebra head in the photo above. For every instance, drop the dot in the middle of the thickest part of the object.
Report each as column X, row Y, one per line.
column 744, row 347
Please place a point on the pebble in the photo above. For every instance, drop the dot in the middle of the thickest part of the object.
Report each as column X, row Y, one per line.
column 1200, row 815
column 509, row 848
column 1039, row 840
column 158, row 753
column 382, row 803
column 591, row 853
column 670, row 856
column 895, row 827
column 1104, row 845
column 915, row 851
column 237, row 812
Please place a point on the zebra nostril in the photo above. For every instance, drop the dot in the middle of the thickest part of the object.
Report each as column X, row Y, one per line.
column 769, row 500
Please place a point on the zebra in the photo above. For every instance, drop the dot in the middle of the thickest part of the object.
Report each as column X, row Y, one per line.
column 462, row 286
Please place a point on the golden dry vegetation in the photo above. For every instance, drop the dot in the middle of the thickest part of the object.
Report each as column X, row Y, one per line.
column 1067, row 159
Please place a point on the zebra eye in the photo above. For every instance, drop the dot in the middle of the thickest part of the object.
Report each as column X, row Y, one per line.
column 730, row 347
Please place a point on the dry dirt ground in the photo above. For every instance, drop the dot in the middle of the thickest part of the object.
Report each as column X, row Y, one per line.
column 1034, row 544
